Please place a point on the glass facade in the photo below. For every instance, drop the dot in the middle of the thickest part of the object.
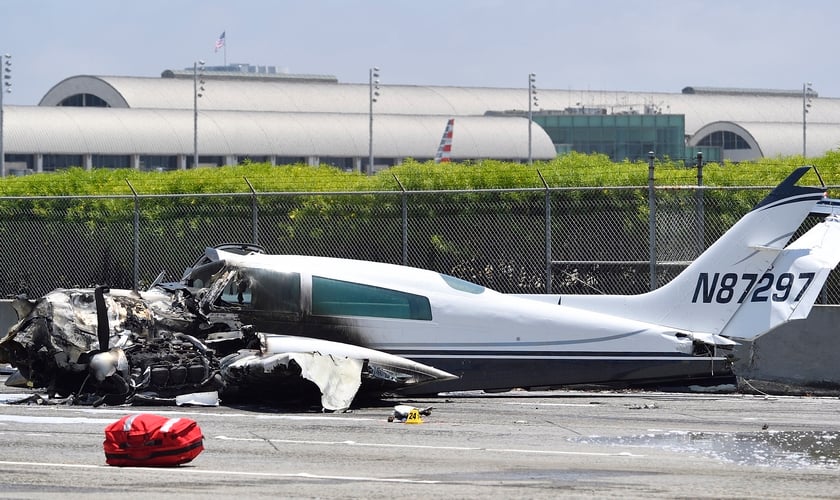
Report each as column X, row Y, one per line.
column 724, row 139
column 158, row 163
column 253, row 159
column 205, row 161
column 111, row 161
column 340, row 163
column 20, row 164
column 619, row 136
column 61, row 162
column 710, row 154
column 84, row 100
column 289, row 160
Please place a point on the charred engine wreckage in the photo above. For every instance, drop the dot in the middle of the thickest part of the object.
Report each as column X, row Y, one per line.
column 102, row 346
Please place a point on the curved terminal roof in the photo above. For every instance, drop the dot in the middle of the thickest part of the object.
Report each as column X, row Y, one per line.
column 71, row 130
column 777, row 139
column 330, row 118
column 279, row 95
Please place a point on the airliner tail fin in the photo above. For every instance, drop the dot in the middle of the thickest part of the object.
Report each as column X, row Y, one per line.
column 444, row 151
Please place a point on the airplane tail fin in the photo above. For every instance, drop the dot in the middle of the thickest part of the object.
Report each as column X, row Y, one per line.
column 789, row 289
column 749, row 280
column 444, row 151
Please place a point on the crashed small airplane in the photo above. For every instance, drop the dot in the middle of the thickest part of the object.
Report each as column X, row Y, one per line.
column 248, row 324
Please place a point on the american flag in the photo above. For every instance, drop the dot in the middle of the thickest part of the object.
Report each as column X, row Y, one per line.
column 220, row 42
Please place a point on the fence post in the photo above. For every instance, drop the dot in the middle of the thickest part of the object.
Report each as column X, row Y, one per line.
column 547, row 234
column 136, row 277
column 404, row 221
column 651, row 222
column 700, row 209
column 255, row 231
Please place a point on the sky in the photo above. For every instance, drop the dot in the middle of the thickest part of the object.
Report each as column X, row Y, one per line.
column 633, row 45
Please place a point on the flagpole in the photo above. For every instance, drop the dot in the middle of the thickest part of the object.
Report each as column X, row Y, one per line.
column 221, row 43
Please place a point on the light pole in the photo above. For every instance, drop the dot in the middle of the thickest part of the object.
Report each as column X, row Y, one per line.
column 807, row 92
column 652, row 220
column 198, row 89
column 6, row 87
column 532, row 103
column 373, row 88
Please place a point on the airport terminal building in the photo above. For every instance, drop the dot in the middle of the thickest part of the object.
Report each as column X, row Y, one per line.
column 243, row 113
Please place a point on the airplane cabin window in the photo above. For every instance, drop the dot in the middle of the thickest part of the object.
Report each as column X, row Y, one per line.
column 237, row 291
column 263, row 290
column 343, row 298
column 276, row 291
column 201, row 275
column 462, row 285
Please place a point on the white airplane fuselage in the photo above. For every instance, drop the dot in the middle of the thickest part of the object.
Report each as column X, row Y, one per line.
column 490, row 340
column 749, row 281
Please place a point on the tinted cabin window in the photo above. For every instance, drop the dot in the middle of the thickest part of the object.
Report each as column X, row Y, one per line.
column 343, row 298
column 263, row 290
column 462, row 285
column 201, row 275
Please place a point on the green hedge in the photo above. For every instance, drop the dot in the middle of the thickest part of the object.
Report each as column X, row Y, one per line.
column 570, row 170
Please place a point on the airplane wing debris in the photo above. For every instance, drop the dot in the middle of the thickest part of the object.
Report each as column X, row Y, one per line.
column 402, row 413
column 338, row 379
column 337, row 369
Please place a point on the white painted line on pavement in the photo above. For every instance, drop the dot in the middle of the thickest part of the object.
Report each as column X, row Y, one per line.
column 429, row 447
column 193, row 470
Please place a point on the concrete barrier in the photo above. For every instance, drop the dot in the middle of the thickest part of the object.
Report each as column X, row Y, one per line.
column 8, row 316
column 796, row 356
column 800, row 354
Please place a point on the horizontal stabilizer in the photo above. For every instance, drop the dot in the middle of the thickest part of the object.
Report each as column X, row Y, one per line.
column 712, row 339
column 826, row 206
column 789, row 289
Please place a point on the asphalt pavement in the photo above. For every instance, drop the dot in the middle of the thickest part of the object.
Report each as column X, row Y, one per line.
column 472, row 445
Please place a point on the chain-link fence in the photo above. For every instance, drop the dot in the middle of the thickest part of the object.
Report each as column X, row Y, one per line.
column 596, row 240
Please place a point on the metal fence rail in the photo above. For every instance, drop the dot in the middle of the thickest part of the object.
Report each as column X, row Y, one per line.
column 557, row 240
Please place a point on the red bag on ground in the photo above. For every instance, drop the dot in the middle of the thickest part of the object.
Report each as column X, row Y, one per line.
column 145, row 440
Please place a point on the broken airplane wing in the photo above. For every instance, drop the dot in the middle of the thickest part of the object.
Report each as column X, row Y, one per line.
column 339, row 370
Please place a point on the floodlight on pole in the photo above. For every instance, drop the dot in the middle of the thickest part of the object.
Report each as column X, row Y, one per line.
column 198, row 91
column 532, row 103
column 5, row 88
column 807, row 94
column 373, row 89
